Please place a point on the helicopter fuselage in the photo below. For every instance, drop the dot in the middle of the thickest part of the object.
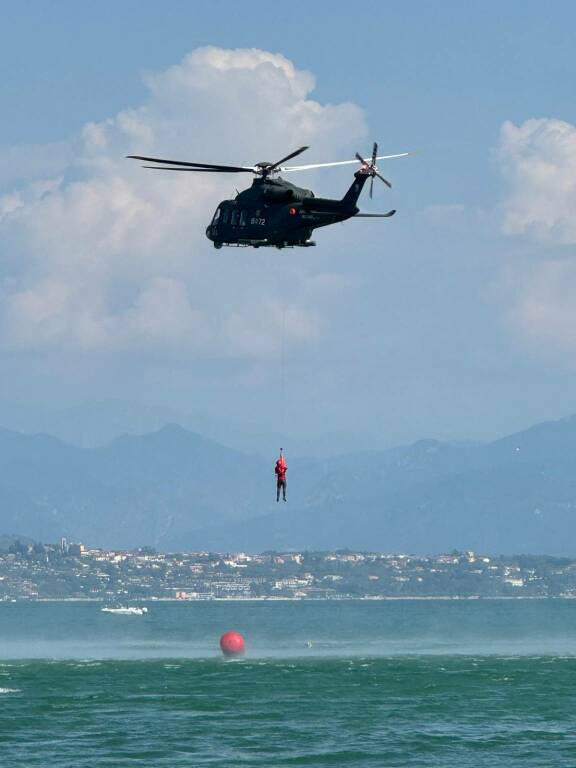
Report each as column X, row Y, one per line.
column 273, row 212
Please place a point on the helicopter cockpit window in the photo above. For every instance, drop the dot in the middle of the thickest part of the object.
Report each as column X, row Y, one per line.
column 225, row 216
column 234, row 219
column 242, row 218
column 216, row 216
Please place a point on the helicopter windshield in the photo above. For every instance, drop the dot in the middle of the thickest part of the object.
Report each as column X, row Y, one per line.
column 216, row 216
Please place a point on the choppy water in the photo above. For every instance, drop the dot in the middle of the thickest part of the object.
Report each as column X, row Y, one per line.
column 383, row 684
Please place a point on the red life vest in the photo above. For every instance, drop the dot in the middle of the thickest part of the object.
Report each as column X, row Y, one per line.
column 281, row 468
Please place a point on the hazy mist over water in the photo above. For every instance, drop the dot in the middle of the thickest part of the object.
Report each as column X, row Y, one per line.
column 408, row 683
column 289, row 629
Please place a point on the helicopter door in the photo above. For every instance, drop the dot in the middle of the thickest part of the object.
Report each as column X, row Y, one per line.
column 214, row 222
column 242, row 218
column 234, row 218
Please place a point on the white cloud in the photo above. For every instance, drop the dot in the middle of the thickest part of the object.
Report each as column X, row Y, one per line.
column 538, row 282
column 25, row 162
column 539, row 162
column 99, row 254
column 540, row 306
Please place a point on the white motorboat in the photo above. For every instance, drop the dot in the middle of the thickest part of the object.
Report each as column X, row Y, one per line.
column 131, row 610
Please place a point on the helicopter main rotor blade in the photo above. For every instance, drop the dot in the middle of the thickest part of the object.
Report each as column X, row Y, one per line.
column 205, row 166
column 361, row 159
column 197, row 170
column 288, row 157
column 289, row 168
column 374, row 153
column 371, row 186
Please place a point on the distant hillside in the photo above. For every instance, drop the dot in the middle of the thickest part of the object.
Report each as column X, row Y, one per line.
column 174, row 489
column 91, row 423
column 155, row 489
column 517, row 494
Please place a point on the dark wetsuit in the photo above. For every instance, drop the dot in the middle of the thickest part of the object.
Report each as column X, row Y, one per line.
column 280, row 470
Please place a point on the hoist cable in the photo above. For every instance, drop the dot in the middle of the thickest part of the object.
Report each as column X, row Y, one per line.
column 283, row 375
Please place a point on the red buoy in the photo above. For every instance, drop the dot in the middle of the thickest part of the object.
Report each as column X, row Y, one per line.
column 232, row 644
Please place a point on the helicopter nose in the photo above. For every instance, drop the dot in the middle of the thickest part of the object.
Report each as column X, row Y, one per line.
column 208, row 235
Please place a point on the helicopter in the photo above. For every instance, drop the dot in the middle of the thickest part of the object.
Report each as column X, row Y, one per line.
column 273, row 212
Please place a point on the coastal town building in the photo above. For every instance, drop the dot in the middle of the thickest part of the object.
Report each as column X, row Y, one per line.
column 66, row 570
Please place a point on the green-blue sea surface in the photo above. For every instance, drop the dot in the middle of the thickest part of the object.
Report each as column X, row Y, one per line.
column 402, row 683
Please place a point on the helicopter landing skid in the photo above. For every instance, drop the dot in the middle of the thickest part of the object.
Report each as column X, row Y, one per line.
column 266, row 244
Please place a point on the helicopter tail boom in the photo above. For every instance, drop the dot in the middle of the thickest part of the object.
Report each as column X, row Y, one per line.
column 350, row 198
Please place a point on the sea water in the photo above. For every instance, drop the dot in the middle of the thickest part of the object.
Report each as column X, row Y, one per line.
column 366, row 683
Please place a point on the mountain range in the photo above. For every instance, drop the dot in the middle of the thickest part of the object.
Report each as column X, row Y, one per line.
column 176, row 490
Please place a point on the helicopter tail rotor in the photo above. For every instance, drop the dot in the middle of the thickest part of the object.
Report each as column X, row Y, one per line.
column 370, row 168
column 373, row 164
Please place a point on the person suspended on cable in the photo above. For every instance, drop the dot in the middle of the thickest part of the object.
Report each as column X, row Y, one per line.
column 280, row 471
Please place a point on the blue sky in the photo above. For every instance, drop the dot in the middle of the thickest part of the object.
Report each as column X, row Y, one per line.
column 452, row 320
column 439, row 77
